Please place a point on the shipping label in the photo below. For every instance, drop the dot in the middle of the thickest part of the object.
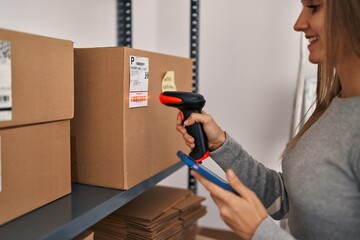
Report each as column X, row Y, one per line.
column 139, row 82
column 5, row 81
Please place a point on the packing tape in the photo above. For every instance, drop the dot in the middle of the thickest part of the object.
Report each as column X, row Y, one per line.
column 74, row 169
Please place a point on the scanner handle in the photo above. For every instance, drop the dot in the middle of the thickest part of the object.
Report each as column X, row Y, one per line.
column 200, row 152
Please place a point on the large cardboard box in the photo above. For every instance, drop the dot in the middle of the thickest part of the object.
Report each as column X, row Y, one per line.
column 36, row 77
column 205, row 233
column 86, row 235
column 35, row 167
column 114, row 144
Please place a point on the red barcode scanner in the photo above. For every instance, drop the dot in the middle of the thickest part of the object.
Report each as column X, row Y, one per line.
column 188, row 103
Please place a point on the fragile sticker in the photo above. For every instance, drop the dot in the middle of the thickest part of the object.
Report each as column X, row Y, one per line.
column 168, row 82
column 5, row 81
column 139, row 82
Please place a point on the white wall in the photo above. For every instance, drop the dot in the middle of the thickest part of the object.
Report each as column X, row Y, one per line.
column 249, row 57
column 89, row 23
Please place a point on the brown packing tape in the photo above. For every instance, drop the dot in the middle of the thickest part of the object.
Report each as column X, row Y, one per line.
column 74, row 167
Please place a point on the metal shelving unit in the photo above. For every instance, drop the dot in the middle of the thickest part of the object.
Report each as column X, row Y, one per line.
column 194, row 55
column 67, row 217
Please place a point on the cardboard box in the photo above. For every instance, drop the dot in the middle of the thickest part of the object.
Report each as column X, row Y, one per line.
column 205, row 233
column 35, row 167
column 114, row 145
column 86, row 235
column 37, row 79
column 159, row 213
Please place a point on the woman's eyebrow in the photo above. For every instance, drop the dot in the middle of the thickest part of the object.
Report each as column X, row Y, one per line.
column 309, row 2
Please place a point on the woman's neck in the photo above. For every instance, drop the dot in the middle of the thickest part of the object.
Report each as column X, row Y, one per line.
column 349, row 73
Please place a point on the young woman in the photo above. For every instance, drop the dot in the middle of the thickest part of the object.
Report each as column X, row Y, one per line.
column 319, row 188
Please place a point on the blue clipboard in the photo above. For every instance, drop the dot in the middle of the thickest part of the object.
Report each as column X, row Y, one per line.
column 205, row 172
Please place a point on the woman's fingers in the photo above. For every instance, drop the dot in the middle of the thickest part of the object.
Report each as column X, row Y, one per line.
column 215, row 135
column 189, row 140
column 242, row 213
column 214, row 189
column 237, row 185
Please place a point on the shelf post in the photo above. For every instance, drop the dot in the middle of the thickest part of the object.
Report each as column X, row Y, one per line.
column 124, row 23
column 194, row 54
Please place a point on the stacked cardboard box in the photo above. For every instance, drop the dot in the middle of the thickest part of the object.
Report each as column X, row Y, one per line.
column 121, row 133
column 36, row 103
column 160, row 213
column 86, row 235
column 204, row 233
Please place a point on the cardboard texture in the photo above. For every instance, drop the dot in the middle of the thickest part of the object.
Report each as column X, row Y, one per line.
column 159, row 198
column 204, row 233
column 86, row 235
column 156, row 214
column 114, row 145
column 35, row 163
column 42, row 78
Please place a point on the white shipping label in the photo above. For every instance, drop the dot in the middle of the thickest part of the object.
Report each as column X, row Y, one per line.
column 139, row 81
column 5, row 81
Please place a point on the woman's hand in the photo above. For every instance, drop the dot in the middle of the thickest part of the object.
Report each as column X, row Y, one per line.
column 242, row 213
column 216, row 136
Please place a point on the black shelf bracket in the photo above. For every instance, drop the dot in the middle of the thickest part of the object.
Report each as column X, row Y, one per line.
column 194, row 41
column 194, row 55
column 124, row 23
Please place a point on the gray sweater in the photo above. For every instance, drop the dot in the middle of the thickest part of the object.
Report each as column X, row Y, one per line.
column 319, row 189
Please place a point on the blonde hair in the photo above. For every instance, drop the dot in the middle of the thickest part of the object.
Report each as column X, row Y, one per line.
column 342, row 34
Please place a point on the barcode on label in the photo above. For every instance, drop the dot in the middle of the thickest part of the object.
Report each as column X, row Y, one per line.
column 4, row 98
column 5, row 50
column 138, row 98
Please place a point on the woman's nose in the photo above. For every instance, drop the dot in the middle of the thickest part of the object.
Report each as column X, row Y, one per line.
column 301, row 23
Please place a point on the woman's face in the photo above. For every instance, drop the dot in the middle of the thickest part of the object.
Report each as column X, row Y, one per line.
column 311, row 22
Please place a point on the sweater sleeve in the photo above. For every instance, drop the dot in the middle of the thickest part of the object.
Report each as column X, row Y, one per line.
column 354, row 157
column 269, row 230
column 266, row 183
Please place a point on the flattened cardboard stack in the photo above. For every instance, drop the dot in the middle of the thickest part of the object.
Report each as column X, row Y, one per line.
column 160, row 213
column 86, row 235
column 204, row 233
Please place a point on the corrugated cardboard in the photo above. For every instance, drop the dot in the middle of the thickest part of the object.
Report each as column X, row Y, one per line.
column 35, row 165
column 152, row 203
column 42, row 78
column 86, row 235
column 156, row 214
column 113, row 145
column 205, row 233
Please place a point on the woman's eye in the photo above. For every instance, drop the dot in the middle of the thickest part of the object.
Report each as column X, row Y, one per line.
column 313, row 8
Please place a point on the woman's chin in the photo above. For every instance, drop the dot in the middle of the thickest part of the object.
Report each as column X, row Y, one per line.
column 314, row 59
